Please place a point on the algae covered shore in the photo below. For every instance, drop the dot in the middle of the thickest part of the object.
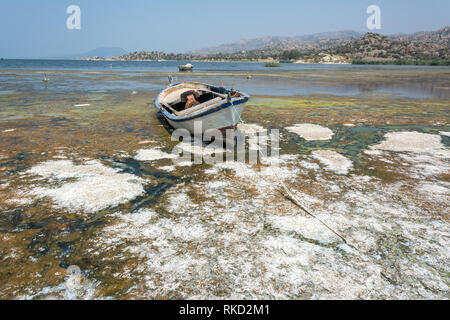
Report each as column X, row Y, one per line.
column 92, row 205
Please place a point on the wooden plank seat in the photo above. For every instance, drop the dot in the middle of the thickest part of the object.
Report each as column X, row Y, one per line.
column 195, row 108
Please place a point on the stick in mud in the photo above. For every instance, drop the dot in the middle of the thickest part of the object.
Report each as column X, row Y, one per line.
column 294, row 200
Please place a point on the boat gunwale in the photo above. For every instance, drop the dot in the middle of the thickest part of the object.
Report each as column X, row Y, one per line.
column 202, row 112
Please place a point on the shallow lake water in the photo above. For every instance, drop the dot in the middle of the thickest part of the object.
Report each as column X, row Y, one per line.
column 93, row 205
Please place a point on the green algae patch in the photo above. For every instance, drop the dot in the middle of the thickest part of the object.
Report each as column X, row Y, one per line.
column 296, row 102
column 356, row 123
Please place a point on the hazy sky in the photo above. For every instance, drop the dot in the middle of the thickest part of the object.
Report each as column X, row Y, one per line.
column 37, row 28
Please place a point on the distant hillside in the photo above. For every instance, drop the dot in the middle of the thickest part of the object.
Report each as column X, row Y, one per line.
column 256, row 43
column 414, row 47
column 144, row 56
column 427, row 47
column 440, row 36
column 105, row 52
column 241, row 45
column 286, row 50
column 431, row 47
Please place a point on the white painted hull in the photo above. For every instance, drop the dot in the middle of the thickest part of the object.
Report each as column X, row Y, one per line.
column 223, row 118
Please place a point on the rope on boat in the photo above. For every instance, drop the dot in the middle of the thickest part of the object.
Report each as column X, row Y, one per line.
column 290, row 196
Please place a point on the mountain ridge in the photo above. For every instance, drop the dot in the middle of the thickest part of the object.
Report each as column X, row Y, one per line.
column 329, row 47
column 428, row 45
column 246, row 44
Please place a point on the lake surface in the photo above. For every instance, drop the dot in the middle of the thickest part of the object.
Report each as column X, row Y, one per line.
column 287, row 80
column 172, row 66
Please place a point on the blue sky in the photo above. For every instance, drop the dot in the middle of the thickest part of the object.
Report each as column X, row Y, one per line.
column 34, row 29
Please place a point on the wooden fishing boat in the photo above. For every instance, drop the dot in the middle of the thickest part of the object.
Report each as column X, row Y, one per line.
column 186, row 67
column 217, row 108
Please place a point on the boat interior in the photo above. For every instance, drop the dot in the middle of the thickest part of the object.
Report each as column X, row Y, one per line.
column 172, row 98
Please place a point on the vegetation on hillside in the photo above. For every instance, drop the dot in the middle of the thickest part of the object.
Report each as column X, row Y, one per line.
column 424, row 48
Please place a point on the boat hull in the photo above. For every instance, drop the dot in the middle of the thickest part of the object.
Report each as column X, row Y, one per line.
column 186, row 67
column 227, row 117
column 221, row 115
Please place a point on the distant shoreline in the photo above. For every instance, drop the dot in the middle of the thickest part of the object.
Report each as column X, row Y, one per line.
column 354, row 62
column 436, row 62
column 403, row 62
column 431, row 63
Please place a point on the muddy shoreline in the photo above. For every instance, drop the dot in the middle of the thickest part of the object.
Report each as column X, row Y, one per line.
column 90, row 187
